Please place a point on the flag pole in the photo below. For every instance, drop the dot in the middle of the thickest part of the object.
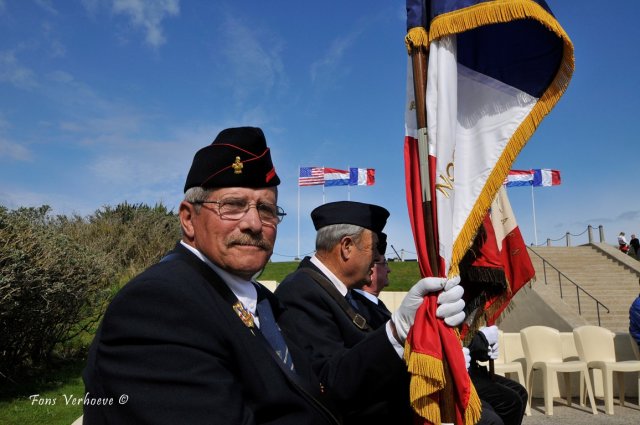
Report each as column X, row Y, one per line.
column 348, row 188
column 298, row 255
column 533, row 206
column 419, row 57
column 419, row 61
column 323, row 182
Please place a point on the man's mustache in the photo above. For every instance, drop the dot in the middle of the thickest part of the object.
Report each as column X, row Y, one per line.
column 250, row 240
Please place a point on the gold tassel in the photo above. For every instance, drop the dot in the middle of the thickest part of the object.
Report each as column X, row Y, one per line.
column 427, row 378
column 416, row 38
column 474, row 408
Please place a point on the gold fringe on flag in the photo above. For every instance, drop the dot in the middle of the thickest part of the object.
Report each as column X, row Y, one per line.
column 416, row 37
column 492, row 12
column 474, row 408
column 427, row 378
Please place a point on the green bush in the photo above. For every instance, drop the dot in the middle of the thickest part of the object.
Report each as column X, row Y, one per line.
column 50, row 287
column 132, row 236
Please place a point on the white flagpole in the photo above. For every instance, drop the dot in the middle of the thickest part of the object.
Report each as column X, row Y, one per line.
column 533, row 205
column 298, row 256
column 348, row 186
column 323, row 198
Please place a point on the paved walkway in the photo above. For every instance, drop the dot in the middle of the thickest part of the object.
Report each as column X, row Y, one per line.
column 582, row 415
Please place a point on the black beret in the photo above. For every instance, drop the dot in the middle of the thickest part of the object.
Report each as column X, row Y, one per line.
column 382, row 243
column 369, row 216
column 238, row 157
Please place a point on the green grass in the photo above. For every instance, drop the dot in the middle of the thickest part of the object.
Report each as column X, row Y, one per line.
column 64, row 377
column 403, row 274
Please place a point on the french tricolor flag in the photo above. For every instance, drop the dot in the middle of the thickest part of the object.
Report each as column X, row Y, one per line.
column 546, row 177
column 362, row 176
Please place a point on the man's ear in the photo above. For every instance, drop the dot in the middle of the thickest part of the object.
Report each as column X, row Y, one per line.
column 187, row 213
column 346, row 247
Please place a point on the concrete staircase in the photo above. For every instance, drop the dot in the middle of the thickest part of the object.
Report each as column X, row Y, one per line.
column 600, row 270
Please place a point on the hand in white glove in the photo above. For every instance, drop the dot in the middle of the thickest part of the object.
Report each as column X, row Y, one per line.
column 491, row 333
column 493, row 351
column 404, row 316
column 467, row 357
column 451, row 303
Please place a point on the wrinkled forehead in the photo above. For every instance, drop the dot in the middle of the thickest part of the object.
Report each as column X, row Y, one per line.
column 267, row 194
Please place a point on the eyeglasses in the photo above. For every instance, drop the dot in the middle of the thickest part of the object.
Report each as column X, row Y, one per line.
column 235, row 209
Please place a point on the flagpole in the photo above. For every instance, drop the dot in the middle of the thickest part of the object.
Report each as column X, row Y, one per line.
column 323, row 182
column 298, row 255
column 348, row 188
column 419, row 57
column 533, row 206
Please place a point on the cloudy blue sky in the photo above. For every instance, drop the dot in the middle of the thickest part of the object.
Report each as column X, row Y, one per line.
column 105, row 101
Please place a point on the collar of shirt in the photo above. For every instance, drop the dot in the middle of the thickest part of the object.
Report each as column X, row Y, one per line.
column 369, row 296
column 244, row 290
column 332, row 277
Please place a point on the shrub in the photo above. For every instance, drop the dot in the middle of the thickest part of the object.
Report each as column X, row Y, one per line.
column 50, row 287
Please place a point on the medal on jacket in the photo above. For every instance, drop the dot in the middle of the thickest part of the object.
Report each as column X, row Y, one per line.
column 243, row 314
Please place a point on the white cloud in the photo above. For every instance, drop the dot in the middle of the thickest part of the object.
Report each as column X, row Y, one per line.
column 254, row 59
column 13, row 72
column 46, row 5
column 147, row 14
column 13, row 151
column 326, row 67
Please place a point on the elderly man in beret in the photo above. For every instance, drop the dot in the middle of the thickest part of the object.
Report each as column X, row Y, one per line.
column 362, row 366
column 194, row 339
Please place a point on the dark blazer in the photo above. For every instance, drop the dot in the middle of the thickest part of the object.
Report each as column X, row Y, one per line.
column 376, row 314
column 361, row 368
column 175, row 349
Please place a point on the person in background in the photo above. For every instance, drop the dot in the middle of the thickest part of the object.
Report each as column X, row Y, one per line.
column 367, row 297
column 194, row 339
column 634, row 319
column 634, row 243
column 362, row 367
column 622, row 243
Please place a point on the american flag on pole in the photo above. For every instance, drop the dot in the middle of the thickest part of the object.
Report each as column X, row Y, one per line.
column 311, row 176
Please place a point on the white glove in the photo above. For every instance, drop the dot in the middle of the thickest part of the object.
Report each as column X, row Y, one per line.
column 404, row 316
column 493, row 351
column 491, row 333
column 451, row 303
column 467, row 357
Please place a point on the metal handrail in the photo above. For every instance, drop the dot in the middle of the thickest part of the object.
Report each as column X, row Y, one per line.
column 578, row 287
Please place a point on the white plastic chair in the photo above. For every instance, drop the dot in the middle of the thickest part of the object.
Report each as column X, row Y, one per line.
column 543, row 350
column 596, row 347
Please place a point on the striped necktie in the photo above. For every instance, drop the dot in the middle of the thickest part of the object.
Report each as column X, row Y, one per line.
column 269, row 328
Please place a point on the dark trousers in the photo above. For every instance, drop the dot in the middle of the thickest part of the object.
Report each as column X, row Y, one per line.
column 507, row 398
